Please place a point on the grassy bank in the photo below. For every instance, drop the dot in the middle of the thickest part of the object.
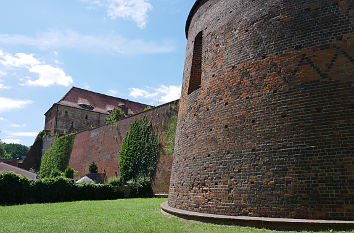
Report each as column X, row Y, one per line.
column 123, row 215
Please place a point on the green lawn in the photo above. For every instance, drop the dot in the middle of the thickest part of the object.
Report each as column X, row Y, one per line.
column 123, row 215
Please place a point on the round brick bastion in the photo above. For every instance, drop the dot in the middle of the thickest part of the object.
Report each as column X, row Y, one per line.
column 266, row 118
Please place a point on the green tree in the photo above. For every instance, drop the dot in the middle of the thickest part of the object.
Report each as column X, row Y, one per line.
column 69, row 173
column 2, row 151
column 116, row 115
column 140, row 151
column 15, row 151
column 93, row 168
column 57, row 157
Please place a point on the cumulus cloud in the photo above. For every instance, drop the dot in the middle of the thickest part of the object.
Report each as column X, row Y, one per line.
column 2, row 119
column 162, row 94
column 18, row 60
column 11, row 140
column 68, row 39
column 136, row 10
column 24, row 134
column 7, row 104
column 47, row 74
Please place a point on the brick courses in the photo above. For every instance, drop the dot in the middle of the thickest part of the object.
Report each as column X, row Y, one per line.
column 270, row 132
column 103, row 145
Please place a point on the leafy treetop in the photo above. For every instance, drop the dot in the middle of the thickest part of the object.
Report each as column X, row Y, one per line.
column 13, row 151
column 93, row 168
column 116, row 115
column 140, row 151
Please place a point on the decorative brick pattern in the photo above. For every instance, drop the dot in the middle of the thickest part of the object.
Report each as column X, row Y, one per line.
column 270, row 132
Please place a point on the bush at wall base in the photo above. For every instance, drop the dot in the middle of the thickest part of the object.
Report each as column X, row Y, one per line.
column 16, row 189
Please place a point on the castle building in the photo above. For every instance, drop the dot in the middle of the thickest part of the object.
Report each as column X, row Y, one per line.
column 266, row 117
column 81, row 110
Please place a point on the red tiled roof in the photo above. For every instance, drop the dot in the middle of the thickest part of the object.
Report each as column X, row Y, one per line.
column 22, row 172
column 100, row 102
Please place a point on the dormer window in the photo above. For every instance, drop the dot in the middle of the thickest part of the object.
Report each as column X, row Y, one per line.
column 86, row 106
column 123, row 108
column 110, row 111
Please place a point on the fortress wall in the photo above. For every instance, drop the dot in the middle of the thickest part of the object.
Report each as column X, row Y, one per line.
column 103, row 145
column 270, row 132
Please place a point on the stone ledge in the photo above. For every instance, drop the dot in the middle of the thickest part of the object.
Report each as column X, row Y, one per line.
column 260, row 222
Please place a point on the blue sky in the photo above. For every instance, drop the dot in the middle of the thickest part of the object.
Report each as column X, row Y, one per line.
column 132, row 49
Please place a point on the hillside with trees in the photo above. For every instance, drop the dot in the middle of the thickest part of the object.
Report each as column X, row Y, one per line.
column 13, row 151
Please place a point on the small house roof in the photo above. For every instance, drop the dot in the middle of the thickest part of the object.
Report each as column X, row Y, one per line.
column 17, row 170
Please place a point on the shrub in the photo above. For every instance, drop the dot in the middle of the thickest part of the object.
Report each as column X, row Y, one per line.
column 141, row 187
column 57, row 157
column 93, row 168
column 56, row 173
column 115, row 181
column 69, row 173
column 140, row 150
column 53, row 190
column 14, row 189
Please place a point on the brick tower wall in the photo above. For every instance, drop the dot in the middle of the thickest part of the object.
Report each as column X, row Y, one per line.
column 270, row 131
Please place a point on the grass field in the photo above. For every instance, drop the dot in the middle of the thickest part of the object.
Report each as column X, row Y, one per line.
column 123, row 215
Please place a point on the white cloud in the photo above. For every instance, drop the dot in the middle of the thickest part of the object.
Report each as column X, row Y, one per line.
column 2, row 86
column 112, row 92
column 2, row 119
column 72, row 40
column 18, row 125
column 2, row 73
column 7, row 104
column 19, row 60
column 135, row 10
column 47, row 75
column 11, row 140
column 162, row 94
column 24, row 134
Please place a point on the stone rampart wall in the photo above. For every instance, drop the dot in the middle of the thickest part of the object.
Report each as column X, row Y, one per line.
column 103, row 145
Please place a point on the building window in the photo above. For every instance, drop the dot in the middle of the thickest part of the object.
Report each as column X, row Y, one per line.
column 86, row 117
column 66, row 113
column 86, row 106
column 196, row 70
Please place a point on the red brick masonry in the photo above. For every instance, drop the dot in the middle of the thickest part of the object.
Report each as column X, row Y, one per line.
column 103, row 145
column 260, row 222
column 270, row 132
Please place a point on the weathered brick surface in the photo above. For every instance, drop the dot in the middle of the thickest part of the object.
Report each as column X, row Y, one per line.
column 271, row 130
column 103, row 145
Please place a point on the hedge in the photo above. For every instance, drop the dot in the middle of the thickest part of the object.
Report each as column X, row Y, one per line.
column 16, row 189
